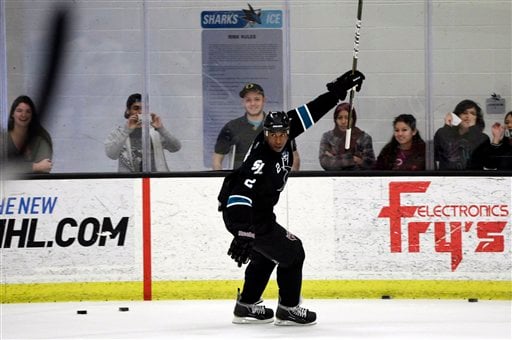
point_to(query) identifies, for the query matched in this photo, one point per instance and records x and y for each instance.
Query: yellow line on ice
(226, 289)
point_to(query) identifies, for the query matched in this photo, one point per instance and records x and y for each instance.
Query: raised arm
(305, 116)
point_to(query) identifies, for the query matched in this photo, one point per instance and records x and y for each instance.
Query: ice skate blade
(246, 320)
(280, 322)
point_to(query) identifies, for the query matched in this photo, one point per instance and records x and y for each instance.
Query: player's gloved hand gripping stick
(350, 80)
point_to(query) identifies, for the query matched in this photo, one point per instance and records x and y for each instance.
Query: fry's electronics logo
(487, 221)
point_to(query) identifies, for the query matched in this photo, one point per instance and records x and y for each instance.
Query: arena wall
(162, 238)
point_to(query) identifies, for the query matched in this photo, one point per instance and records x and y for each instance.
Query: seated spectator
(239, 133)
(125, 142)
(496, 154)
(334, 156)
(406, 150)
(29, 145)
(455, 142)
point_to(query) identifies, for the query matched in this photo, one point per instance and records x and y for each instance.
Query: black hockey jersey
(249, 193)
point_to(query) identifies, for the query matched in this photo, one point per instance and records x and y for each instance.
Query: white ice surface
(337, 319)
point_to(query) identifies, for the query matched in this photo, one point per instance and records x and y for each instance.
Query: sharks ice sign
(245, 18)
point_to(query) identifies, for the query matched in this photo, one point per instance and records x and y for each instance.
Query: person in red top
(406, 150)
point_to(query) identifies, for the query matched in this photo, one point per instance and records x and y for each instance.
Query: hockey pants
(275, 247)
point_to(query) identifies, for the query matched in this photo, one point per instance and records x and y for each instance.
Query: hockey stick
(57, 37)
(354, 68)
(54, 63)
(57, 34)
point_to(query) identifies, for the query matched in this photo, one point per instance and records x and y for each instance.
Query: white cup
(455, 119)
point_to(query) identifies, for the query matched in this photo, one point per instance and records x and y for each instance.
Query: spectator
(29, 145)
(240, 132)
(496, 154)
(125, 142)
(406, 150)
(456, 141)
(334, 156)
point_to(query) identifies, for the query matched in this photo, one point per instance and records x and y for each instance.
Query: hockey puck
(124, 309)
(472, 300)
(385, 297)
(82, 311)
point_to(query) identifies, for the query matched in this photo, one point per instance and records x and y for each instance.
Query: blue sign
(242, 19)
(238, 47)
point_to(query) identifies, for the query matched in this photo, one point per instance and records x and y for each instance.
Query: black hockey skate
(246, 313)
(294, 316)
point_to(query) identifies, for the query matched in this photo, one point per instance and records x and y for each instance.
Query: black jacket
(452, 150)
(493, 157)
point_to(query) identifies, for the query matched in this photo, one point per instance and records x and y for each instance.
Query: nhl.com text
(16, 232)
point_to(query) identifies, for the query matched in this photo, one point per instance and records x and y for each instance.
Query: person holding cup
(461, 135)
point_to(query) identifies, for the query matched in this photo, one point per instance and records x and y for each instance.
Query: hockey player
(247, 199)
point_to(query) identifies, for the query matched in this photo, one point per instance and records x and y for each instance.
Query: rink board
(97, 239)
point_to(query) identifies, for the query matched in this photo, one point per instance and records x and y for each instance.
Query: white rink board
(189, 241)
(337, 220)
(73, 252)
(350, 241)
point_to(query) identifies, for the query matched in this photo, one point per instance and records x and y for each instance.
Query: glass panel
(471, 58)
(419, 57)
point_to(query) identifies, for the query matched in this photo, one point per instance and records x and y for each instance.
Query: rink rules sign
(239, 46)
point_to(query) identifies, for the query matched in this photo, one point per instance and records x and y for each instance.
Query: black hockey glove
(342, 84)
(241, 247)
